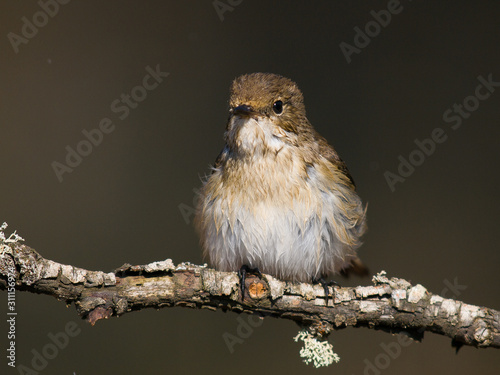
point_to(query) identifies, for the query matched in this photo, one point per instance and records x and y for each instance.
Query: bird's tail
(354, 266)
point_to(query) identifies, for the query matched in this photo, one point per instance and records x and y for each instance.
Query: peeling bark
(393, 305)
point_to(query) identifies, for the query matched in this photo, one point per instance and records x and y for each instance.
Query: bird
(279, 200)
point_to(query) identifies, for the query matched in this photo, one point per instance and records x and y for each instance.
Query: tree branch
(393, 305)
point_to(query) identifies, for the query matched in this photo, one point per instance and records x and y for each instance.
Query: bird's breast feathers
(276, 212)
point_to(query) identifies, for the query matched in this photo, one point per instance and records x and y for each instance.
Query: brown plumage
(279, 198)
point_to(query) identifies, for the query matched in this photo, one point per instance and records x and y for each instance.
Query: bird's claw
(325, 284)
(242, 273)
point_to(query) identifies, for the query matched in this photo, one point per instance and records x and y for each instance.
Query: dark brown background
(122, 203)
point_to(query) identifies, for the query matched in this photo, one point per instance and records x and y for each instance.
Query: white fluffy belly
(293, 239)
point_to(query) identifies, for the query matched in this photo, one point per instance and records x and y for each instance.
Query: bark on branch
(393, 305)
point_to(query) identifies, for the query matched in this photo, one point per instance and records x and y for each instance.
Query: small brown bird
(279, 198)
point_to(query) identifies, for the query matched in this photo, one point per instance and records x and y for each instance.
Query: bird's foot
(325, 284)
(242, 273)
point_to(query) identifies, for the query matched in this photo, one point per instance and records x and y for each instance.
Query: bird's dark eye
(278, 107)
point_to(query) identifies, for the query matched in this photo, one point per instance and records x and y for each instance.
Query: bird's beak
(243, 111)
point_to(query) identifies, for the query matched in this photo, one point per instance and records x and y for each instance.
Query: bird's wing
(329, 153)
(218, 160)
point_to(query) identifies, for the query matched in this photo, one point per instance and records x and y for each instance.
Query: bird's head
(265, 110)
